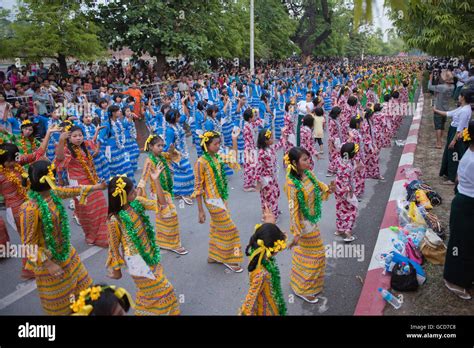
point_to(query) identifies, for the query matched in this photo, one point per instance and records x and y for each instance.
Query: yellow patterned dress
(224, 239)
(259, 299)
(309, 259)
(55, 292)
(166, 220)
(154, 296)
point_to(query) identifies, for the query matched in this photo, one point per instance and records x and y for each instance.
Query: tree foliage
(197, 30)
(51, 29)
(438, 27)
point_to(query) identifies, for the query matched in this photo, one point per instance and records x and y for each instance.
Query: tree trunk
(161, 63)
(62, 64)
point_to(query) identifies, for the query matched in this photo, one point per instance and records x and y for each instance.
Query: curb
(370, 303)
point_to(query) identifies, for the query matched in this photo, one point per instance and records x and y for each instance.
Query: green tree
(438, 27)
(51, 29)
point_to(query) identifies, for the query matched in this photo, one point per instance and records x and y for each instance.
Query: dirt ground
(432, 298)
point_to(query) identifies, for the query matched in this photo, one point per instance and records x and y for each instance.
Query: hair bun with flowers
(268, 134)
(205, 138)
(120, 190)
(148, 140)
(79, 306)
(466, 137)
(49, 178)
(263, 250)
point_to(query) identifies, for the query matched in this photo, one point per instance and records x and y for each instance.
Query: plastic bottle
(399, 246)
(396, 302)
(402, 235)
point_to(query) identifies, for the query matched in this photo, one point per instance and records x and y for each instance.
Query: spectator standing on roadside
(442, 98)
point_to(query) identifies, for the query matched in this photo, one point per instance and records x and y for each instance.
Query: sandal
(187, 200)
(459, 293)
(180, 251)
(328, 175)
(308, 298)
(209, 260)
(339, 233)
(448, 182)
(349, 239)
(234, 268)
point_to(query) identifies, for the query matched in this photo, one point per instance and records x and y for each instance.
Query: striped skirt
(167, 228)
(133, 150)
(93, 218)
(183, 178)
(120, 164)
(56, 293)
(279, 123)
(227, 132)
(101, 165)
(308, 265)
(155, 296)
(224, 239)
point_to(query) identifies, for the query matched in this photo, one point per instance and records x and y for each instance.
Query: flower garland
(166, 180)
(316, 216)
(277, 293)
(88, 167)
(221, 179)
(151, 258)
(24, 146)
(119, 133)
(48, 227)
(11, 176)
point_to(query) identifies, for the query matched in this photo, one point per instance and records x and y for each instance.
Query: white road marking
(24, 289)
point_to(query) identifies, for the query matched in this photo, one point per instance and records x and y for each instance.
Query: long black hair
(269, 234)
(36, 171)
(294, 155)
(171, 116)
(347, 149)
(11, 153)
(335, 112)
(114, 202)
(70, 146)
(262, 139)
(352, 100)
(355, 122)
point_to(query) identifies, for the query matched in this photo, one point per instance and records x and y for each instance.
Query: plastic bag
(415, 216)
(403, 217)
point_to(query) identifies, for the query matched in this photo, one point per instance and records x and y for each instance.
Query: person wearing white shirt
(454, 149)
(459, 264)
(304, 107)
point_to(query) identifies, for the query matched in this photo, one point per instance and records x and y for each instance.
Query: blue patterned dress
(114, 138)
(183, 171)
(131, 144)
(100, 162)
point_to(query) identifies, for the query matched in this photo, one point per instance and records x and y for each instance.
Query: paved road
(209, 289)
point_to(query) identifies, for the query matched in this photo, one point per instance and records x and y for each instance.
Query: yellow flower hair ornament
(466, 136)
(358, 117)
(2, 151)
(263, 250)
(268, 134)
(79, 306)
(26, 123)
(205, 138)
(288, 163)
(120, 191)
(356, 148)
(49, 178)
(147, 142)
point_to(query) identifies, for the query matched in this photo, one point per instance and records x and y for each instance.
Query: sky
(380, 20)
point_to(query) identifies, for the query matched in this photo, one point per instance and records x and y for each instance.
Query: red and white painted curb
(370, 301)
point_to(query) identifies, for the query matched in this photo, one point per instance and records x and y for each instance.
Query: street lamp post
(252, 64)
